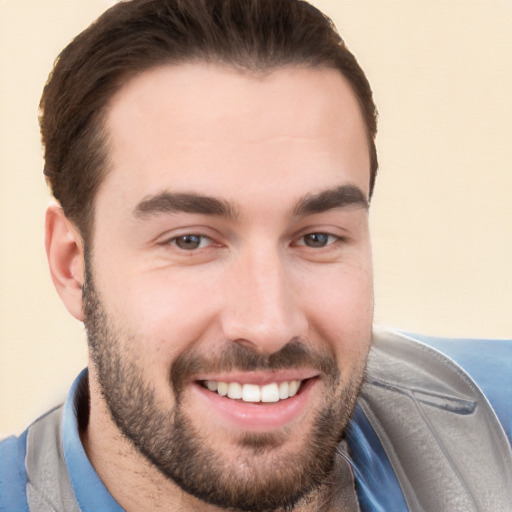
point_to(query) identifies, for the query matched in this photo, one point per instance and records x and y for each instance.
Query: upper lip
(259, 378)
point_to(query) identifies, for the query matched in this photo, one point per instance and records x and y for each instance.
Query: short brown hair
(136, 35)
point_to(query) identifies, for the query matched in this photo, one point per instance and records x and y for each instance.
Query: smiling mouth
(268, 393)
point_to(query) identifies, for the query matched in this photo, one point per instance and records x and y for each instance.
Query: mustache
(295, 354)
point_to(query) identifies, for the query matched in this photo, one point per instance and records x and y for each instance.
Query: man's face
(231, 254)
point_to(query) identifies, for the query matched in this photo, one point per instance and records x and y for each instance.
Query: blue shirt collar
(89, 490)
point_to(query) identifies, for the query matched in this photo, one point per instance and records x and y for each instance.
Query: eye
(317, 240)
(190, 242)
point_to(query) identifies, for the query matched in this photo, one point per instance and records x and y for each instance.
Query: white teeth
(283, 390)
(251, 393)
(293, 387)
(212, 385)
(268, 393)
(234, 390)
(222, 388)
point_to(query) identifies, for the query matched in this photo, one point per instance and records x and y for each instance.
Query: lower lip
(256, 417)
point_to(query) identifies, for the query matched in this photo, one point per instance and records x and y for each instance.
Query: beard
(265, 476)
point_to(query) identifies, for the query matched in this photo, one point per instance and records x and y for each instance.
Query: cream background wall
(442, 214)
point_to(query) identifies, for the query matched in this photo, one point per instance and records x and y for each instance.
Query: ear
(64, 250)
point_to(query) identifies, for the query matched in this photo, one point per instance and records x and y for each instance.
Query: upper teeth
(253, 393)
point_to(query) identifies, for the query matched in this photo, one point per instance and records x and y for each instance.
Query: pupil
(188, 242)
(316, 239)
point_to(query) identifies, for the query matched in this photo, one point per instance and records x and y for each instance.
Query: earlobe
(64, 250)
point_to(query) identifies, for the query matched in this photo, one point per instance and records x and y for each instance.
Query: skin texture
(279, 156)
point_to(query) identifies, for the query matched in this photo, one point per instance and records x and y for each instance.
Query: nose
(261, 309)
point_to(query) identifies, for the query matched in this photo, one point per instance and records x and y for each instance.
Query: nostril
(246, 344)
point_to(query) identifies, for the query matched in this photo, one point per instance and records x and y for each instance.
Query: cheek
(341, 312)
(164, 312)
(344, 294)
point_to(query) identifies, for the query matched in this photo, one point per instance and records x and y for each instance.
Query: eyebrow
(167, 202)
(340, 197)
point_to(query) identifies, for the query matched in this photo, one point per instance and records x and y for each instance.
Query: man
(213, 164)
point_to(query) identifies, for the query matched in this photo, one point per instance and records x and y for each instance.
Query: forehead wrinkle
(168, 202)
(343, 196)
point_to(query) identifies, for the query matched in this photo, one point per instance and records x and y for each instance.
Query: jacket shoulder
(13, 477)
(14, 455)
(488, 362)
(439, 431)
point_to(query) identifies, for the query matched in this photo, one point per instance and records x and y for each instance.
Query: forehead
(212, 129)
